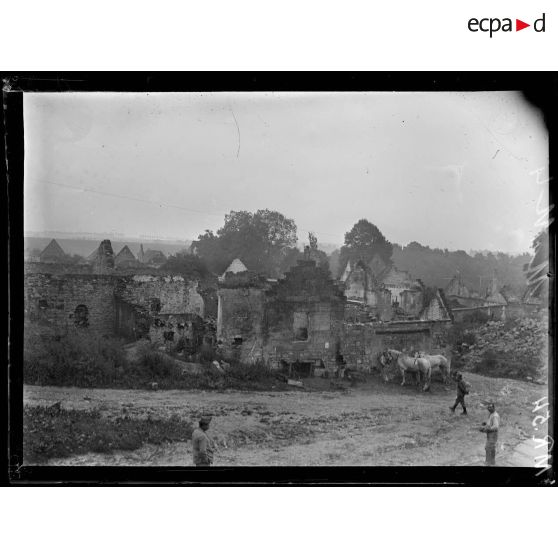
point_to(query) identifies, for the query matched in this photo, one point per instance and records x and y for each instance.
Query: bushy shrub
(207, 354)
(459, 334)
(78, 358)
(476, 318)
(501, 364)
(83, 360)
(49, 433)
(155, 364)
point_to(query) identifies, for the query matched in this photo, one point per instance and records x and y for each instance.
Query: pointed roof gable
(456, 287)
(437, 309)
(125, 257)
(236, 266)
(52, 253)
(346, 272)
(154, 257)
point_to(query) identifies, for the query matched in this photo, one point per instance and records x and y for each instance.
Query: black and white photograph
(222, 279)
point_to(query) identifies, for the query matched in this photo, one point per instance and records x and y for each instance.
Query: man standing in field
(491, 428)
(462, 391)
(202, 445)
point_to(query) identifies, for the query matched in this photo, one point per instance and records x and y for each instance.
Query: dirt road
(372, 425)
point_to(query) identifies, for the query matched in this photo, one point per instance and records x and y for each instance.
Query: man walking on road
(202, 445)
(462, 391)
(491, 428)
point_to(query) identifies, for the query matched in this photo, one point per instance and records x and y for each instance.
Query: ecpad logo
(493, 25)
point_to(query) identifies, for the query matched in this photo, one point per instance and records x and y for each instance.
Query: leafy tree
(210, 249)
(187, 265)
(262, 240)
(362, 242)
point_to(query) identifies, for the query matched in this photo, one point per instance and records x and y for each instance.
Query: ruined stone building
(113, 296)
(497, 303)
(382, 291)
(296, 319)
(306, 319)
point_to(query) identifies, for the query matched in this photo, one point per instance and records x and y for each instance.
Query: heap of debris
(516, 348)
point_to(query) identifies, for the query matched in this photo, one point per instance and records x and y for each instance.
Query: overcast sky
(448, 170)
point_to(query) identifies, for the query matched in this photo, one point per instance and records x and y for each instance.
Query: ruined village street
(371, 425)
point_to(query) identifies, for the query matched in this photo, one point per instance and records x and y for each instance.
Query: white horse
(437, 362)
(419, 365)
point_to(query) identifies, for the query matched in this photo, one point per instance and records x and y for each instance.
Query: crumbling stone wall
(161, 294)
(240, 322)
(323, 322)
(108, 303)
(298, 318)
(67, 301)
(173, 329)
(412, 302)
(362, 343)
(493, 312)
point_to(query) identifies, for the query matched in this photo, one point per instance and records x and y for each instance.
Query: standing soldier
(462, 391)
(491, 428)
(202, 445)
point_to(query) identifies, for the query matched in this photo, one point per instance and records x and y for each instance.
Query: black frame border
(539, 88)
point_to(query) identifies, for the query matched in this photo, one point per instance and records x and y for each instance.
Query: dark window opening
(300, 326)
(43, 304)
(237, 341)
(155, 305)
(303, 368)
(168, 335)
(81, 316)
(301, 334)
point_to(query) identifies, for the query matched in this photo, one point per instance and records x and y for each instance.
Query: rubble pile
(515, 348)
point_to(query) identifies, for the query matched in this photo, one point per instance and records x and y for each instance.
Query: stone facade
(387, 292)
(109, 301)
(362, 343)
(306, 321)
(53, 299)
(497, 304)
(298, 319)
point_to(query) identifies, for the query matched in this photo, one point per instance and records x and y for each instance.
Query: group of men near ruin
(203, 446)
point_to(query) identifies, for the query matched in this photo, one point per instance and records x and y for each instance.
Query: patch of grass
(83, 360)
(252, 376)
(76, 359)
(50, 433)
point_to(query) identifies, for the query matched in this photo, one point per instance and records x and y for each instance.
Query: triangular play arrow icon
(519, 25)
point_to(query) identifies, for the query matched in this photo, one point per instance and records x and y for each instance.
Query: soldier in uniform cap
(491, 428)
(202, 445)
(462, 391)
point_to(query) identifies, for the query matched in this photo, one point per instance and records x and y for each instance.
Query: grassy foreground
(53, 432)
